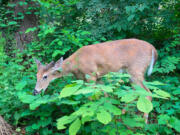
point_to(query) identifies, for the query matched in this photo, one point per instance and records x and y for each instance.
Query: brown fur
(99, 59)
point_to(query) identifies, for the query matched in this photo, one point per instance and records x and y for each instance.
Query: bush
(71, 106)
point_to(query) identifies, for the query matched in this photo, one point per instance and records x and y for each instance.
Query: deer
(96, 60)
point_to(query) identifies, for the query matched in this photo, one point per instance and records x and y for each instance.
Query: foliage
(170, 56)
(72, 106)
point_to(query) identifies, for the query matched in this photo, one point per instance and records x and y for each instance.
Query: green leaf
(104, 117)
(128, 98)
(30, 30)
(64, 120)
(85, 33)
(130, 17)
(142, 7)
(26, 98)
(154, 83)
(74, 127)
(21, 85)
(58, 52)
(128, 9)
(42, 100)
(60, 43)
(105, 88)
(21, 3)
(84, 91)
(11, 5)
(85, 119)
(112, 108)
(175, 123)
(131, 122)
(69, 90)
(3, 25)
(34, 105)
(162, 93)
(163, 119)
(144, 105)
(12, 23)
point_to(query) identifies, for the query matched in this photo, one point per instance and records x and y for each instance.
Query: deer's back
(112, 56)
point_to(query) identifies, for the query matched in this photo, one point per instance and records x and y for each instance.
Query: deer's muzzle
(35, 92)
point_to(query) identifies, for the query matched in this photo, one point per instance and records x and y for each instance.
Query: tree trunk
(5, 128)
(29, 21)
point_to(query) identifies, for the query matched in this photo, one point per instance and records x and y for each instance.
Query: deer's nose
(35, 92)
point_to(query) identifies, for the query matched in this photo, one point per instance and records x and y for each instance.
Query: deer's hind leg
(137, 77)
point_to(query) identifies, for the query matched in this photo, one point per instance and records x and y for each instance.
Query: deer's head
(46, 73)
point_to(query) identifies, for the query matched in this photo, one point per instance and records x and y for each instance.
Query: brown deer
(97, 60)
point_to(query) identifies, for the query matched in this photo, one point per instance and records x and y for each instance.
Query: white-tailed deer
(97, 60)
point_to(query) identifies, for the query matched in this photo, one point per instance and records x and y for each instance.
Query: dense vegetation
(49, 29)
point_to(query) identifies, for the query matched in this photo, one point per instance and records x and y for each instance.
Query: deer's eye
(45, 77)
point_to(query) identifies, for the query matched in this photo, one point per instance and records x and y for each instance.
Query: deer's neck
(66, 67)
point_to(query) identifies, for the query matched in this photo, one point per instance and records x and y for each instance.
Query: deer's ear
(37, 62)
(58, 64)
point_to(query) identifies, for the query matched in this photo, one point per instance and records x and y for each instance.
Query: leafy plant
(71, 106)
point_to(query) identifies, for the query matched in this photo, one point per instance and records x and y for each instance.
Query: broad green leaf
(106, 88)
(34, 105)
(144, 105)
(84, 91)
(60, 43)
(131, 122)
(85, 119)
(3, 25)
(21, 3)
(175, 123)
(82, 110)
(176, 92)
(112, 108)
(21, 85)
(69, 90)
(74, 127)
(128, 9)
(42, 100)
(163, 119)
(85, 33)
(154, 83)
(104, 117)
(130, 18)
(86, 111)
(120, 93)
(64, 120)
(116, 111)
(11, 5)
(12, 23)
(162, 93)
(128, 98)
(45, 122)
(26, 98)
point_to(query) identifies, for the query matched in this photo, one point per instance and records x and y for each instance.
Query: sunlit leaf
(12, 23)
(144, 105)
(129, 98)
(162, 93)
(104, 117)
(74, 127)
(69, 90)
(64, 120)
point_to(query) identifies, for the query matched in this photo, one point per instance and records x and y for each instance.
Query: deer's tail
(153, 61)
